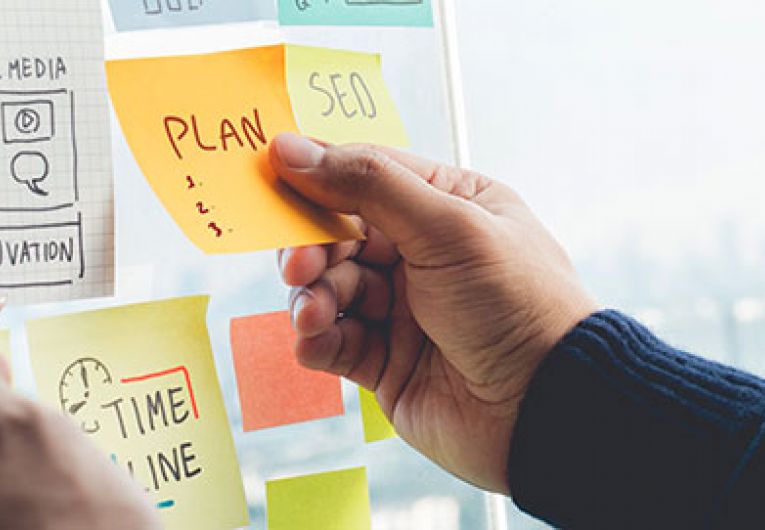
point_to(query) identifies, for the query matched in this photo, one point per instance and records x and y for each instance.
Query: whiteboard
(155, 261)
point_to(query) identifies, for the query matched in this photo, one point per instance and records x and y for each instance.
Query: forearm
(619, 430)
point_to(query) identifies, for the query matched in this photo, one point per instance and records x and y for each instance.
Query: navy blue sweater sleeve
(619, 430)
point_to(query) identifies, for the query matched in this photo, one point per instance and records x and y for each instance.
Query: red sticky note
(274, 389)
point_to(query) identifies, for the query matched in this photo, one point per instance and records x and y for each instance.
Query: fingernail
(298, 152)
(298, 303)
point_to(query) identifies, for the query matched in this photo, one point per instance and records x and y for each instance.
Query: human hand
(51, 477)
(448, 307)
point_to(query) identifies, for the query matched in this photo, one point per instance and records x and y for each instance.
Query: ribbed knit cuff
(619, 430)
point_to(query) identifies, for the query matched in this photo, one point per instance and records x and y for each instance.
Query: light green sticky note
(338, 500)
(376, 424)
(356, 13)
(341, 97)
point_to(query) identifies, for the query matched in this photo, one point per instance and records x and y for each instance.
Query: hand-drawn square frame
(75, 182)
(50, 226)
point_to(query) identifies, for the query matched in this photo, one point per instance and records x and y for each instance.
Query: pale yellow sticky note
(327, 501)
(5, 349)
(376, 424)
(140, 381)
(341, 97)
(199, 127)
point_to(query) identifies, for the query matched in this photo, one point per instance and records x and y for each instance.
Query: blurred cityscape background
(637, 132)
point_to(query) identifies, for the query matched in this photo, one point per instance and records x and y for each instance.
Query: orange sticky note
(274, 389)
(199, 127)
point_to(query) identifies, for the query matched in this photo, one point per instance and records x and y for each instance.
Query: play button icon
(27, 121)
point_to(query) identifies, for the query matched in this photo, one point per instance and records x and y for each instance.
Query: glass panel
(636, 132)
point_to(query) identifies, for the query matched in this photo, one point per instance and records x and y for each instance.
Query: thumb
(365, 181)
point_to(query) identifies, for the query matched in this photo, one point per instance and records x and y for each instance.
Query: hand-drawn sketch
(157, 7)
(41, 254)
(81, 392)
(38, 151)
(141, 382)
(414, 13)
(302, 5)
(30, 168)
(132, 15)
(27, 121)
(56, 177)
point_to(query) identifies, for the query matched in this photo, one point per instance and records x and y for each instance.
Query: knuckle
(372, 163)
(356, 170)
(463, 183)
(443, 177)
(477, 182)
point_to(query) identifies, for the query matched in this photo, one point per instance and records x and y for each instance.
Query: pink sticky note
(274, 389)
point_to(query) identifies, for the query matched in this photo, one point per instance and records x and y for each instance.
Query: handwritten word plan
(56, 189)
(199, 127)
(338, 500)
(5, 349)
(375, 423)
(274, 389)
(141, 382)
(341, 96)
(356, 12)
(131, 15)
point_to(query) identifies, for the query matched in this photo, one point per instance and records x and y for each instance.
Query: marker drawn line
(33, 92)
(40, 209)
(165, 504)
(36, 284)
(164, 373)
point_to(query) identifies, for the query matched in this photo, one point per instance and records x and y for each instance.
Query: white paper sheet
(56, 185)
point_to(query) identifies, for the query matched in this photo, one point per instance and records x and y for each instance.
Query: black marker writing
(350, 94)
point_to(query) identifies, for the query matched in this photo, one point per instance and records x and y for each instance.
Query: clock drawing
(83, 385)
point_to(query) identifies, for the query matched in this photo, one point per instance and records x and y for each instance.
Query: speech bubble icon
(30, 168)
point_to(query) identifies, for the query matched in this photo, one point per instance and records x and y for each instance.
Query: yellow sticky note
(199, 127)
(341, 97)
(376, 424)
(140, 381)
(327, 501)
(5, 349)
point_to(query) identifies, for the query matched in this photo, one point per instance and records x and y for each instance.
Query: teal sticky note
(356, 13)
(130, 15)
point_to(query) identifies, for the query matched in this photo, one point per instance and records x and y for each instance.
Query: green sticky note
(338, 500)
(356, 13)
(376, 424)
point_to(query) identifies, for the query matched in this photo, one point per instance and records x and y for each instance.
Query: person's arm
(53, 478)
(620, 430)
(448, 310)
